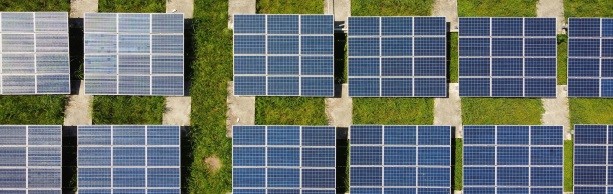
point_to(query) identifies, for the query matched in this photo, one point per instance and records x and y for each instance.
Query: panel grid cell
(128, 159)
(134, 54)
(397, 56)
(512, 159)
(34, 56)
(507, 57)
(31, 158)
(400, 159)
(284, 55)
(284, 159)
(590, 57)
(592, 163)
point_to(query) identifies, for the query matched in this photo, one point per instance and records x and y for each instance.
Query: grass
(132, 6)
(393, 111)
(29, 110)
(457, 167)
(453, 57)
(568, 166)
(35, 5)
(290, 6)
(497, 8)
(128, 109)
(290, 111)
(562, 60)
(211, 72)
(391, 8)
(590, 111)
(591, 8)
(501, 111)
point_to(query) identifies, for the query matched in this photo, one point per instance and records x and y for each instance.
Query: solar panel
(507, 57)
(284, 159)
(400, 159)
(31, 159)
(128, 159)
(513, 159)
(284, 55)
(397, 56)
(34, 53)
(590, 57)
(134, 54)
(591, 159)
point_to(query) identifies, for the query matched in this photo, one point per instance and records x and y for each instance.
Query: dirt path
(552, 9)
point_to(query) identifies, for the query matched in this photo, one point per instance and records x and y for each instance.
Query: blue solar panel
(284, 159)
(513, 159)
(131, 159)
(133, 54)
(284, 55)
(590, 48)
(400, 159)
(507, 57)
(397, 57)
(30, 158)
(592, 159)
(34, 55)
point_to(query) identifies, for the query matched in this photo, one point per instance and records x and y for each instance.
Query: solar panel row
(284, 159)
(30, 159)
(590, 57)
(134, 54)
(400, 159)
(34, 53)
(128, 159)
(592, 159)
(513, 159)
(507, 57)
(397, 56)
(284, 55)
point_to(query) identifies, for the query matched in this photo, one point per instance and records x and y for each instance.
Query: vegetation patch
(393, 111)
(128, 109)
(290, 6)
(498, 8)
(562, 58)
(590, 111)
(453, 57)
(290, 111)
(35, 5)
(391, 8)
(568, 165)
(32, 110)
(132, 6)
(502, 111)
(591, 8)
(457, 166)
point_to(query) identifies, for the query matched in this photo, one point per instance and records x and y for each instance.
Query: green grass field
(457, 166)
(590, 8)
(35, 5)
(453, 60)
(497, 8)
(128, 109)
(391, 8)
(562, 53)
(290, 111)
(132, 6)
(501, 111)
(393, 111)
(568, 166)
(290, 6)
(590, 111)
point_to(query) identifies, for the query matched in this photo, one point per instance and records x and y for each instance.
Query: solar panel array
(513, 159)
(30, 159)
(133, 54)
(34, 53)
(284, 159)
(400, 159)
(590, 57)
(128, 159)
(592, 164)
(507, 57)
(284, 55)
(397, 56)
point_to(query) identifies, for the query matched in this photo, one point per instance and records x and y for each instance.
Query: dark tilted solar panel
(592, 159)
(590, 57)
(400, 159)
(134, 54)
(397, 57)
(503, 159)
(284, 55)
(507, 57)
(128, 159)
(284, 159)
